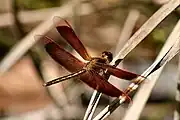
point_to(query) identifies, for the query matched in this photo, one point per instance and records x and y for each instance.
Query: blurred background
(99, 24)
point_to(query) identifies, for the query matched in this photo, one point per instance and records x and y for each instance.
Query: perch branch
(143, 93)
(170, 49)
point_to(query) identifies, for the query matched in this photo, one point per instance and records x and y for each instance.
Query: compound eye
(104, 55)
(107, 55)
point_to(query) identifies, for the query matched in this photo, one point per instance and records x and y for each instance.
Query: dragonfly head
(107, 55)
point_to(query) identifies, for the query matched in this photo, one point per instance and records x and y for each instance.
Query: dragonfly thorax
(91, 65)
(106, 58)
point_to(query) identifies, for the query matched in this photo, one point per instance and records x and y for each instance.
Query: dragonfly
(90, 72)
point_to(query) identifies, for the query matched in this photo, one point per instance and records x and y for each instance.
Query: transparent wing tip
(44, 39)
(58, 21)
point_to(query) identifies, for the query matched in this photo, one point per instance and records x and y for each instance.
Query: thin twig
(143, 93)
(147, 27)
(127, 30)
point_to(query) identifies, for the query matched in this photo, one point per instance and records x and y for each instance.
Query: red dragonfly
(87, 72)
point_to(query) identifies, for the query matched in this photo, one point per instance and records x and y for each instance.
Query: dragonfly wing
(97, 82)
(61, 56)
(66, 31)
(118, 72)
